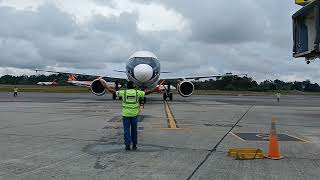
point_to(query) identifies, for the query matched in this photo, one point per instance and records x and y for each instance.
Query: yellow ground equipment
(246, 153)
(303, 2)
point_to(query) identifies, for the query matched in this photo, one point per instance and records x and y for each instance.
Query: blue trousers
(133, 135)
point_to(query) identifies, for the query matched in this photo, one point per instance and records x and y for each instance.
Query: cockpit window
(154, 63)
(133, 62)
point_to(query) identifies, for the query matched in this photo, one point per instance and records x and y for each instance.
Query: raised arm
(107, 87)
(151, 90)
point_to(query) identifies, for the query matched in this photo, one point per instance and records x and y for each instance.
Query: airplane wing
(165, 72)
(81, 83)
(68, 73)
(204, 77)
(119, 71)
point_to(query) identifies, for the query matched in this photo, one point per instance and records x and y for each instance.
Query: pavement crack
(215, 147)
(235, 124)
(202, 162)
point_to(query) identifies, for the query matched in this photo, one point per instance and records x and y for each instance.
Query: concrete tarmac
(80, 136)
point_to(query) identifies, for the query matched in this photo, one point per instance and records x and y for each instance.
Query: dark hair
(130, 85)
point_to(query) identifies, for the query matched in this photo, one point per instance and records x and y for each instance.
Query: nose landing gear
(167, 93)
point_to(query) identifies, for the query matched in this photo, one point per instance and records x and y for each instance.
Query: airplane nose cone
(143, 72)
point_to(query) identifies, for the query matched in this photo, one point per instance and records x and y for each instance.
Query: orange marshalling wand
(273, 142)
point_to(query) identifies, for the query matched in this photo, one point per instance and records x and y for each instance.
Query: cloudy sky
(189, 37)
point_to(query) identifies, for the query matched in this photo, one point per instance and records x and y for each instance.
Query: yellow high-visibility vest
(130, 101)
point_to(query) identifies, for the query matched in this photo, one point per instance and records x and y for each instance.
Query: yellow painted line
(171, 121)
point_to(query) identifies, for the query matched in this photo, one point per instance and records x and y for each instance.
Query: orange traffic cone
(273, 142)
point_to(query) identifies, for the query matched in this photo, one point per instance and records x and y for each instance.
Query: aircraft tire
(114, 97)
(170, 96)
(164, 96)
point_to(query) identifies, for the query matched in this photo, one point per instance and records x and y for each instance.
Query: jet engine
(97, 88)
(185, 88)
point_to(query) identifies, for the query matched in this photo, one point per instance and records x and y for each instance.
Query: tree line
(248, 84)
(234, 83)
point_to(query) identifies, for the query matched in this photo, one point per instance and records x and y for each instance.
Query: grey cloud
(18, 53)
(50, 37)
(221, 21)
(251, 37)
(226, 23)
(25, 24)
(235, 22)
(122, 24)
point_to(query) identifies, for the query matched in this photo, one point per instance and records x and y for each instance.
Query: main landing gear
(167, 93)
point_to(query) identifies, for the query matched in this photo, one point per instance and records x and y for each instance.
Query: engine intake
(97, 88)
(185, 88)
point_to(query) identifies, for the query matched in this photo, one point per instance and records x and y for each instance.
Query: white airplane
(53, 83)
(143, 68)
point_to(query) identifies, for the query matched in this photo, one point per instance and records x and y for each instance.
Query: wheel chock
(246, 153)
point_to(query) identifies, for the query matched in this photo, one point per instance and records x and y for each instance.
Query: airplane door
(306, 31)
(302, 45)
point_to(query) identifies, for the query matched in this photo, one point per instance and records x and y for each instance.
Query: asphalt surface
(79, 136)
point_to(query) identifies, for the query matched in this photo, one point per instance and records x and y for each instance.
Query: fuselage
(143, 68)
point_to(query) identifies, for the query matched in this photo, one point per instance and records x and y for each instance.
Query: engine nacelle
(97, 88)
(185, 88)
